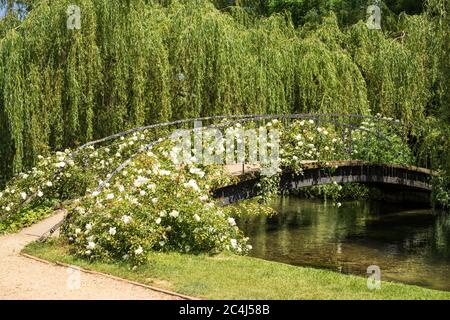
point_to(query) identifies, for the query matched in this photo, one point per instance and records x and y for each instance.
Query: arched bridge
(414, 180)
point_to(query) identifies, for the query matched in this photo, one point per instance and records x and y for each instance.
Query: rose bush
(155, 205)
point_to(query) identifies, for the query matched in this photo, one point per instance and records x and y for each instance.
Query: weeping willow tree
(135, 71)
(328, 81)
(138, 62)
(436, 140)
(396, 76)
(439, 15)
(61, 87)
(226, 64)
(47, 84)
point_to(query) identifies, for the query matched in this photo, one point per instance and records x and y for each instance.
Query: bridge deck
(241, 170)
(319, 173)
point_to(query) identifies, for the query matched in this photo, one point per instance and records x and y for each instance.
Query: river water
(409, 246)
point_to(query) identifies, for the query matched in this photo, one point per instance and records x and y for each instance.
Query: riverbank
(410, 245)
(229, 276)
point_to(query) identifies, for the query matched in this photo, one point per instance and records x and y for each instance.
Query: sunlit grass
(228, 276)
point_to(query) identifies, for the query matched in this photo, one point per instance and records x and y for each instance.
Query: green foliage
(432, 145)
(309, 11)
(438, 11)
(26, 217)
(141, 62)
(154, 206)
(372, 140)
(441, 190)
(250, 208)
(124, 230)
(335, 192)
(307, 141)
(395, 73)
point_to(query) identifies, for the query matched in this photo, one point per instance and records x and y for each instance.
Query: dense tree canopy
(139, 62)
(348, 12)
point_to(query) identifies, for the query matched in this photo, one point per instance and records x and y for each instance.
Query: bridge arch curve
(350, 122)
(414, 179)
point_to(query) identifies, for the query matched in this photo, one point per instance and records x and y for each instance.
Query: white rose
(140, 181)
(110, 196)
(174, 214)
(112, 231)
(60, 165)
(163, 213)
(91, 245)
(126, 219)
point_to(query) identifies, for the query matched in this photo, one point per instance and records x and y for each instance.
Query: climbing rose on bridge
(154, 204)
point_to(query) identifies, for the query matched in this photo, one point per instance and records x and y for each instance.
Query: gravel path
(23, 278)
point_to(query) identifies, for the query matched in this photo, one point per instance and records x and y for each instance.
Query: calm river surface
(410, 246)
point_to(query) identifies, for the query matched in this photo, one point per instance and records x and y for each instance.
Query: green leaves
(145, 62)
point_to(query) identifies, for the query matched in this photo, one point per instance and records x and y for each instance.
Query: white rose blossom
(193, 185)
(126, 219)
(90, 246)
(174, 214)
(140, 181)
(138, 251)
(112, 231)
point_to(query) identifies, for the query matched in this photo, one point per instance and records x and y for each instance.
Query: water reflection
(411, 246)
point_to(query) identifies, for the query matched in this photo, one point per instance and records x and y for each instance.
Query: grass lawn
(228, 276)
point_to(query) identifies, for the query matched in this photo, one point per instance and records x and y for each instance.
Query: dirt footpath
(24, 278)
